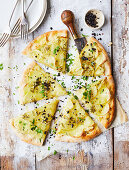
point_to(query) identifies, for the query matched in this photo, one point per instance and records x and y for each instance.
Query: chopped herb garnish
(63, 84)
(55, 152)
(94, 43)
(69, 61)
(54, 131)
(13, 93)
(56, 49)
(39, 130)
(18, 102)
(73, 77)
(33, 121)
(17, 87)
(89, 95)
(69, 92)
(84, 35)
(85, 94)
(102, 91)
(1, 67)
(73, 157)
(48, 148)
(20, 121)
(75, 97)
(81, 119)
(85, 77)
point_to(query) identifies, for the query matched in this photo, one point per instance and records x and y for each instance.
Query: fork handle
(22, 3)
(13, 12)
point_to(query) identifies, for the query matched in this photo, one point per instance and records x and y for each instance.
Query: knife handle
(67, 18)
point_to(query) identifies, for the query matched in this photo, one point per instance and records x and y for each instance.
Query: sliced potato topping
(33, 126)
(49, 49)
(91, 60)
(96, 97)
(37, 85)
(75, 121)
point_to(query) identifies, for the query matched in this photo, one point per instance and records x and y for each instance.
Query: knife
(67, 18)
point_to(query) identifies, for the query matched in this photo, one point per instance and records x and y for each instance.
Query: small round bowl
(99, 18)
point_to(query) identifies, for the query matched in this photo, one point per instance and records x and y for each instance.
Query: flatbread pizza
(32, 127)
(99, 99)
(93, 61)
(49, 49)
(75, 124)
(37, 84)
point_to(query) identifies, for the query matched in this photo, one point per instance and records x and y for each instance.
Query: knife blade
(67, 18)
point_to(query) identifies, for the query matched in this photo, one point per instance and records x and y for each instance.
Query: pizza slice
(75, 124)
(36, 84)
(32, 127)
(49, 49)
(93, 60)
(99, 99)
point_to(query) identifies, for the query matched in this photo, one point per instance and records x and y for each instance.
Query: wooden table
(111, 149)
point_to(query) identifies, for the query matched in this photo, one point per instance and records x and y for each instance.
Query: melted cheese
(50, 49)
(75, 121)
(36, 123)
(39, 85)
(100, 95)
(90, 61)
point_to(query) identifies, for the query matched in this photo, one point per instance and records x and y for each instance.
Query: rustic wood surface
(111, 149)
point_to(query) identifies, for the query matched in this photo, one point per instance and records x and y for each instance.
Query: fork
(16, 27)
(24, 24)
(5, 36)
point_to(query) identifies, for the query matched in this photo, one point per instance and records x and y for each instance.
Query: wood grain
(99, 155)
(121, 64)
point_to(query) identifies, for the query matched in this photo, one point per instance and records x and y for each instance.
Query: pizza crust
(23, 81)
(32, 45)
(111, 86)
(107, 64)
(83, 138)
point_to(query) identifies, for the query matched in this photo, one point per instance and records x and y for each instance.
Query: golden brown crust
(111, 85)
(64, 138)
(25, 138)
(45, 35)
(107, 64)
(23, 82)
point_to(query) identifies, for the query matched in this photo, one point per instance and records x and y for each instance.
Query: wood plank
(98, 157)
(14, 153)
(99, 153)
(121, 71)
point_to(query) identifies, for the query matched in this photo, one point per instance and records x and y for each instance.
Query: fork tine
(15, 26)
(7, 37)
(21, 31)
(26, 32)
(1, 39)
(4, 40)
(17, 29)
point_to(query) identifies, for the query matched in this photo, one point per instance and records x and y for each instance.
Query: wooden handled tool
(67, 18)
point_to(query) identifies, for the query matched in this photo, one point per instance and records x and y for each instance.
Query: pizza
(32, 127)
(49, 49)
(37, 84)
(99, 99)
(93, 61)
(75, 124)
